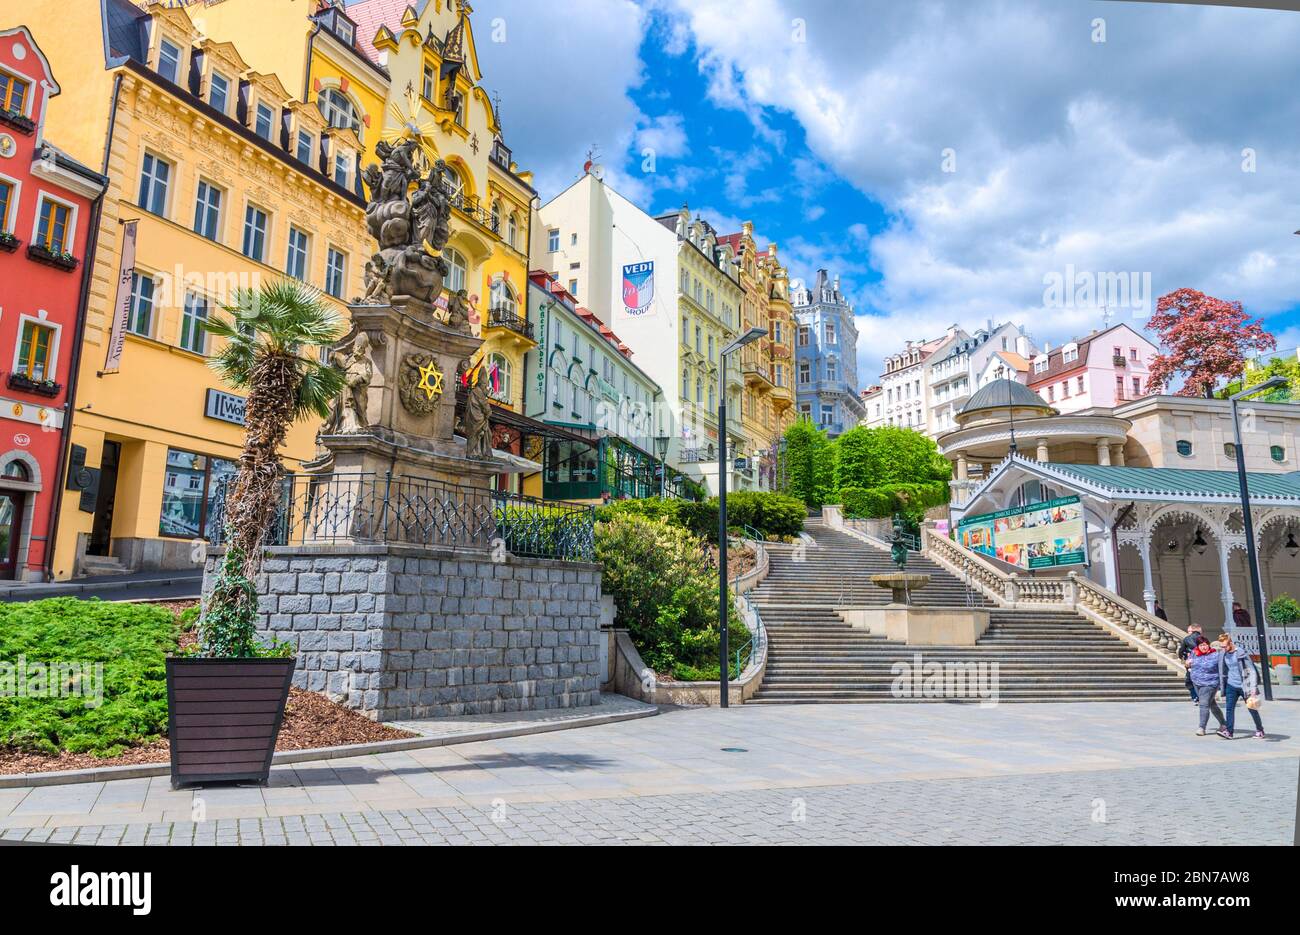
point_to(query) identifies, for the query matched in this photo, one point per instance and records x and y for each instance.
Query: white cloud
(564, 82)
(1113, 157)
(664, 136)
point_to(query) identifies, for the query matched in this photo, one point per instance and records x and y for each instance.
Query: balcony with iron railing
(506, 317)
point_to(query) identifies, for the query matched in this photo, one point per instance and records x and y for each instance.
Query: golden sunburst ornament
(430, 381)
(409, 124)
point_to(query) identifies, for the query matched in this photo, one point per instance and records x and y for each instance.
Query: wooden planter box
(223, 716)
(9, 244)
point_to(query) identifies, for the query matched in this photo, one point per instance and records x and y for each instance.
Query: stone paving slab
(1046, 762)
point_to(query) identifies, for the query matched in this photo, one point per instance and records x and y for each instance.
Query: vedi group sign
(1037, 535)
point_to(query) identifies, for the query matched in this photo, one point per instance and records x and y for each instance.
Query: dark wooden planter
(9, 244)
(17, 381)
(57, 260)
(223, 716)
(17, 121)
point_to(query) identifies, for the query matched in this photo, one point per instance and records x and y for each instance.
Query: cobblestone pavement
(881, 774)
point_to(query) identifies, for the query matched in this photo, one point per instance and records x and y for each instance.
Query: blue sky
(945, 157)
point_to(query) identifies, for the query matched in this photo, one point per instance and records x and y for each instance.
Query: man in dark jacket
(1160, 612)
(1240, 616)
(1185, 648)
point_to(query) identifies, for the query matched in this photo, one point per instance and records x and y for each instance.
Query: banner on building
(122, 310)
(1037, 535)
(638, 287)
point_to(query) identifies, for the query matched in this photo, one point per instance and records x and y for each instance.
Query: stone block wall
(404, 631)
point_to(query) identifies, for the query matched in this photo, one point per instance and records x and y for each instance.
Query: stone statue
(475, 423)
(410, 226)
(458, 312)
(349, 415)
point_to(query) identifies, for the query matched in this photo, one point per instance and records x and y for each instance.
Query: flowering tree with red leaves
(1207, 340)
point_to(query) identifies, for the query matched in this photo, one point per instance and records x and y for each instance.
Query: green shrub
(131, 640)
(662, 588)
(664, 508)
(875, 502)
(1283, 611)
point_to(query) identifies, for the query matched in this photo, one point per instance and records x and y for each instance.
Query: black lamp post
(753, 334)
(661, 449)
(1256, 592)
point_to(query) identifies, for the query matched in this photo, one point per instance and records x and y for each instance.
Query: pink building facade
(1103, 370)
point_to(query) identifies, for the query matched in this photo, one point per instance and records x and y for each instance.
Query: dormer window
(169, 60)
(13, 94)
(429, 83)
(306, 148)
(264, 123)
(1040, 364)
(219, 91)
(1069, 353)
(343, 168)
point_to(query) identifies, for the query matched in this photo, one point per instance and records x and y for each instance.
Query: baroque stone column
(1103, 451)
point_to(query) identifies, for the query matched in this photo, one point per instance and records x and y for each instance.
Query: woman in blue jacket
(1237, 679)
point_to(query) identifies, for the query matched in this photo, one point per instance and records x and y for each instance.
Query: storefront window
(189, 486)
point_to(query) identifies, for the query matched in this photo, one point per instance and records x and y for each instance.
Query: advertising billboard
(1037, 535)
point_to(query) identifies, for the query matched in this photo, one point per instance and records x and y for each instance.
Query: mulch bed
(310, 721)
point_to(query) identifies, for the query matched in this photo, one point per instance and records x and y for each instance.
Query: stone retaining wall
(405, 631)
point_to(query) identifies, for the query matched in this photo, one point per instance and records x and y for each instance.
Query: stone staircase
(1042, 655)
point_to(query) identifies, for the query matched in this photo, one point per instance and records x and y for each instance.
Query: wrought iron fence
(371, 507)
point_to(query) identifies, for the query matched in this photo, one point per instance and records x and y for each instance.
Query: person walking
(1185, 648)
(1240, 615)
(1203, 666)
(1238, 679)
(1160, 612)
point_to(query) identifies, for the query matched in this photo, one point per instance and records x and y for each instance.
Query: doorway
(101, 532)
(11, 528)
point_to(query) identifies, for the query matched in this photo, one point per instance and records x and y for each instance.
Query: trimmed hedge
(772, 514)
(873, 502)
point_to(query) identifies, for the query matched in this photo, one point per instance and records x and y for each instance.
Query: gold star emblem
(430, 381)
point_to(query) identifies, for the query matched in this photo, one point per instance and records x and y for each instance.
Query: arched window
(455, 186)
(459, 272)
(503, 300)
(16, 470)
(338, 110)
(502, 363)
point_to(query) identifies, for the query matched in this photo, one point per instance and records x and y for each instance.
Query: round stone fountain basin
(900, 583)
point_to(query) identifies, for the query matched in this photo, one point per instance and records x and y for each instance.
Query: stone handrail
(1160, 634)
(1075, 592)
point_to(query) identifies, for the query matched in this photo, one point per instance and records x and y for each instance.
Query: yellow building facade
(227, 179)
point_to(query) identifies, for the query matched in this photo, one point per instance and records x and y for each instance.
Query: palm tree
(272, 334)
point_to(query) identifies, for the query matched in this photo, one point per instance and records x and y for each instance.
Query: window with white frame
(169, 60)
(143, 294)
(552, 240)
(207, 210)
(803, 335)
(296, 261)
(343, 168)
(1069, 353)
(458, 269)
(503, 302)
(54, 222)
(336, 269)
(306, 150)
(264, 125)
(37, 348)
(155, 178)
(504, 377)
(193, 315)
(219, 91)
(338, 110)
(256, 224)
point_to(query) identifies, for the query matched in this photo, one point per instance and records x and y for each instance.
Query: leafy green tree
(271, 339)
(1288, 367)
(886, 456)
(809, 463)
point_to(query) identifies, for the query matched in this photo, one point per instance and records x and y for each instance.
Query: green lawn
(131, 640)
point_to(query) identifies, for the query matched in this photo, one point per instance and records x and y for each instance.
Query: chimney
(1022, 345)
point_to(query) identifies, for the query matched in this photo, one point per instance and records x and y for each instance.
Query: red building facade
(48, 207)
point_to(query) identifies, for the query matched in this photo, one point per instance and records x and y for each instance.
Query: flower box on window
(8, 242)
(20, 381)
(65, 261)
(19, 122)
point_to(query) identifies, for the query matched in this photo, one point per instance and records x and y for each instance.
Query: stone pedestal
(920, 626)
(399, 631)
(411, 399)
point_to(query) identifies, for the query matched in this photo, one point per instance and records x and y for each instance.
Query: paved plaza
(1089, 773)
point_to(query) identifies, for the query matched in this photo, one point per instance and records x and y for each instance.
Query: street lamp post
(661, 449)
(753, 334)
(1256, 592)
